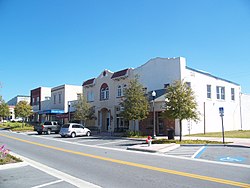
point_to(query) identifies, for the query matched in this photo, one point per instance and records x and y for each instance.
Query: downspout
(240, 112)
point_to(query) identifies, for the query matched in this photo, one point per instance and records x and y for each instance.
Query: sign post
(221, 110)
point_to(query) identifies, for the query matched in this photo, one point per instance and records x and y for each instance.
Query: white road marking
(196, 153)
(46, 184)
(86, 141)
(111, 142)
(58, 174)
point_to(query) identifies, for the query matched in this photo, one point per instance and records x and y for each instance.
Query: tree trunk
(134, 125)
(180, 129)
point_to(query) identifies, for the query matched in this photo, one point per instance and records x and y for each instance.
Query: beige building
(106, 91)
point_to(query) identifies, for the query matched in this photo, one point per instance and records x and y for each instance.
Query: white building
(14, 101)
(61, 99)
(106, 91)
(245, 111)
(53, 103)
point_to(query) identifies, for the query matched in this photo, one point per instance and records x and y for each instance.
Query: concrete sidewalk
(163, 148)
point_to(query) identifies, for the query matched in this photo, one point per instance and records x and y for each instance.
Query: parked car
(48, 127)
(17, 120)
(73, 130)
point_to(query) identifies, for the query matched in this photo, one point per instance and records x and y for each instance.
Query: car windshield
(65, 126)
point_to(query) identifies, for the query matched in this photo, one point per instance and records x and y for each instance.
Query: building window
(232, 94)
(209, 91)
(54, 99)
(90, 96)
(33, 101)
(60, 97)
(37, 100)
(104, 92)
(119, 91)
(220, 92)
(124, 89)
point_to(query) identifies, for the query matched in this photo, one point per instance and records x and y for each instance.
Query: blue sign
(52, 111)
(221, 110)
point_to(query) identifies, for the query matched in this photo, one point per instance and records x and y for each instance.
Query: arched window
(119, 91)
(123, 89)
(104, 92)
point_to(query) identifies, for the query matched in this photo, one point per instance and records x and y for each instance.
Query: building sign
(52, 111)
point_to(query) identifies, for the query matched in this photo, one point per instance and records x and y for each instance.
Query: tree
(180, 103)
(4, 109)
(83, 110)
(23, 110)
(135, 104)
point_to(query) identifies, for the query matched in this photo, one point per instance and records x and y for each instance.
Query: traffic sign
(221, 110)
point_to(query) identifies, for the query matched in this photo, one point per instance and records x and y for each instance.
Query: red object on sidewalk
(149, 139)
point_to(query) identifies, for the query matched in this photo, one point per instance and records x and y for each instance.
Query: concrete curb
(163, 148)
(214, 145)
(140, 149)
(13, 165)
(154, 148)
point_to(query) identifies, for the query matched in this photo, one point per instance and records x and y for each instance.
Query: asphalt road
(116, 167)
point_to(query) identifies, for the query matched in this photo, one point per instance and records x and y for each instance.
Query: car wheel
(39, 132)
(88, 133)
(73, 135)
(48, 131)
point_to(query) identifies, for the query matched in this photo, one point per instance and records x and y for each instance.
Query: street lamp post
(69, 110)
(153, 95)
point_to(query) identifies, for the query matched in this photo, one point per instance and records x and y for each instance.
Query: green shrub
(133, 134)
(17, 126)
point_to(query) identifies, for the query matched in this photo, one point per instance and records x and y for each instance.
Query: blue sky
(53, 42)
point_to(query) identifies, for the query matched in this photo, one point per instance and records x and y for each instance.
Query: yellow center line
(196, 176)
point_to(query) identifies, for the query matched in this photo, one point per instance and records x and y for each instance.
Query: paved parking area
(229, 154)
(95, 140)
(237, 155)
(27, 176)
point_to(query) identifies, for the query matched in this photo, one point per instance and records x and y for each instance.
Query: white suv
(73, 130)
